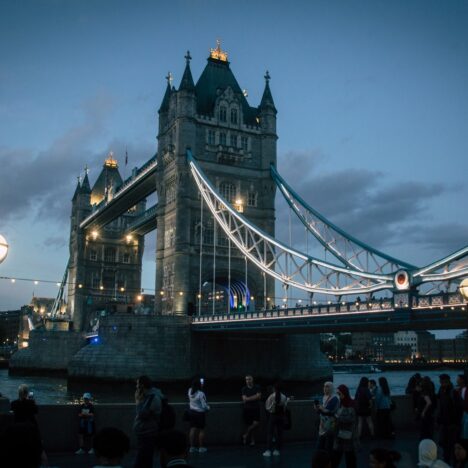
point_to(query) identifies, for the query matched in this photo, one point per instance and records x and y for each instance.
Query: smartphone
(31, 395)
(202, 381)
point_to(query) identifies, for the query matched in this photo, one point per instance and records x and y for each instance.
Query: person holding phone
(86, 429)
(198, 407)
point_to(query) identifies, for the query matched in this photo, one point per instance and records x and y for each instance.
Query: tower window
(109, 254)
(228, 191)
(126, 258)
(252, 199)
(245, 143)
(233, 140)
(234, 116)
(222, 113)
(211, 137)
(222, 139)
(95, 282)
(93, 255)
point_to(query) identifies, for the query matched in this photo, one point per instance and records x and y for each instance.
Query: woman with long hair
(275, 406)
(198, 408)
(426, 408)
(363, 399)
(383, 403)
(345, 433)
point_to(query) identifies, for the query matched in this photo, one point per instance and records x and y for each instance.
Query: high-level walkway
(294, 455)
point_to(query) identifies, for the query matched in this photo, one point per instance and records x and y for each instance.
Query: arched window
(228, 191)
(222, 113)
(234, 116)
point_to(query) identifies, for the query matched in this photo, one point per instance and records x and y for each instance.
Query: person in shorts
(86, 430)
(251, 396)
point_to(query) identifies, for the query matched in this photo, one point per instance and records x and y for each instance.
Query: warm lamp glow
(94, 235)
(3, 248)
(217, 53)
(139, 298)
(464, 289)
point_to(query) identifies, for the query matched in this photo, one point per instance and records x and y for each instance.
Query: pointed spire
(78, 188)
(267, 98)
(187, 83)
(165, 102)
(85, 186)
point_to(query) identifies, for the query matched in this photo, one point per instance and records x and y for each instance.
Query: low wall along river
(59, 423)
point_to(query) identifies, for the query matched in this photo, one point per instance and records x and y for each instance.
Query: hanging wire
(201, 258)
(214, 263)
(229, 270)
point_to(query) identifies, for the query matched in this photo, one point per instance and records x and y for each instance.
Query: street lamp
(463, 287)
(3, 248)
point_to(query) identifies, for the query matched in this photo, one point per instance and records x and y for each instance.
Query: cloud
(41, 184)
(370, 207)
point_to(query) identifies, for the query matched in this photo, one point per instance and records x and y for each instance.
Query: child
(86, 431)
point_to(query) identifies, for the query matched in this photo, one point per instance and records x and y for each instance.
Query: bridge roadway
(137, 187)
(435, 312)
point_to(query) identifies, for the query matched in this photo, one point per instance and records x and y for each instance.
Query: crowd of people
(343, 421)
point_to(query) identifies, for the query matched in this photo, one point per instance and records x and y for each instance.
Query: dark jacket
(450, 407)
(148, 413)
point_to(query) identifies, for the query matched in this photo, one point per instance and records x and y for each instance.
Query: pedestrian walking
(251, 396)
(346, 432)
(426, 408)
(275, 406)
(448, 416)
(198, 408)
(327, 411)
(148, 401)
(363, 402)
(86, 426)
(383, 404)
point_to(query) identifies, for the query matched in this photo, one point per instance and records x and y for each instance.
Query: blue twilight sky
(372, 102)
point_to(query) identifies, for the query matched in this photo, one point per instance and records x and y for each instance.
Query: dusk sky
(372, 102)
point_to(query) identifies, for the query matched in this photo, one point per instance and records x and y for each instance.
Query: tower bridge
(216, 179)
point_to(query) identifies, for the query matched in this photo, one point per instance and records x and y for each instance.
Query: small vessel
(355, 369)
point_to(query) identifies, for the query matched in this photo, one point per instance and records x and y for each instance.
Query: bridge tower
(235, 144)
(105, 265)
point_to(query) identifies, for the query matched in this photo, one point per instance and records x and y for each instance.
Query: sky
(371, 96)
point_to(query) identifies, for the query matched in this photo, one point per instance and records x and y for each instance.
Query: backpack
(167, 418)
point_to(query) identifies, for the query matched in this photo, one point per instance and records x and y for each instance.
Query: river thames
(54, 390)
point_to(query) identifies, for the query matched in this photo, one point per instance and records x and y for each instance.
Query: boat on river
(355, 369)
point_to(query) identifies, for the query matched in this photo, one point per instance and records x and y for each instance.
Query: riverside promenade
(294, 455)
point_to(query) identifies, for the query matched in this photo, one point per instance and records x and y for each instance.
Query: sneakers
(267, 453)
(80, 451)
(91, 452)
(193, 450)
(202, 450)
(276, 453)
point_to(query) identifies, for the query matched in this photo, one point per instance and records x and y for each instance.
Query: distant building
(407, 338)
(9, 328)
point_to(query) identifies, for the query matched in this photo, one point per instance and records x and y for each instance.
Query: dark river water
(54, 390)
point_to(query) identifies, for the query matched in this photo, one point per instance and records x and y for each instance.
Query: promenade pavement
(293, 455)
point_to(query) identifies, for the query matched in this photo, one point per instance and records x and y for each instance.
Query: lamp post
(3, 248)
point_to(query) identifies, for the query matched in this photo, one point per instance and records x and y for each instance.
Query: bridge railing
(447, 300)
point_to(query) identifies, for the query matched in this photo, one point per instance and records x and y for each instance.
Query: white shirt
(198, 401)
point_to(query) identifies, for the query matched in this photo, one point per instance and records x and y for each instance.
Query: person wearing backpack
(148, 401)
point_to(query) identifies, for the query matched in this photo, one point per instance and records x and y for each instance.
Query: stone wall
(47, 350)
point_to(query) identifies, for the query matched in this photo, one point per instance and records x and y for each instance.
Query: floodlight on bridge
(463, 288)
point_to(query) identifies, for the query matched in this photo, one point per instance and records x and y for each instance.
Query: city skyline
(371, 101)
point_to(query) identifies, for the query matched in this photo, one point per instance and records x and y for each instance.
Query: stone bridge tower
(235, 144)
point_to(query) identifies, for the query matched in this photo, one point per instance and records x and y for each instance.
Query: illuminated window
(228, 191)
(93, 255)
(211, 137)
(245, 143)
(222, 139)
(222, 113)
(252, 199)
(234, 116)
(233, 140)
